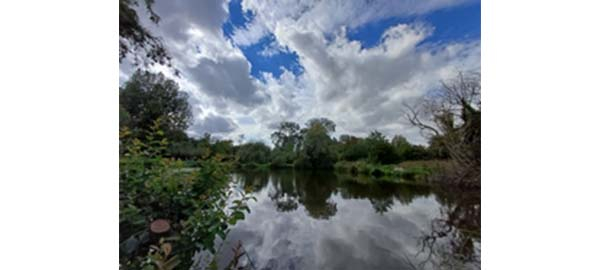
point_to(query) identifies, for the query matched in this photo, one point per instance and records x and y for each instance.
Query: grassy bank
(410, 171)
(413, 171)
(253, 166)
(262, 166)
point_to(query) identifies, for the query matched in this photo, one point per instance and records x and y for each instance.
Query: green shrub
(254, 152)
(377, 171)
(193, 201)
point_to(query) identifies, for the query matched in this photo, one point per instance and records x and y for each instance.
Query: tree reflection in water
(284, 194)
(311, 189)
(454, 239)
(451, 241)
(314, 191)
(300, 187)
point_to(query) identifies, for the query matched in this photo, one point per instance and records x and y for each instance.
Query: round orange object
(160, 226)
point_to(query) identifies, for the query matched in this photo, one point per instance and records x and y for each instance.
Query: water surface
(320, 220)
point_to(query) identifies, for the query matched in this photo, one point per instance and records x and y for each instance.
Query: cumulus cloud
(328, 16)
(273, 48)
(250, 34)
(227, 78)
(179, 16)
(361, 89)
(213, 71)
(212, 124)
(364, 89)
(192, 32)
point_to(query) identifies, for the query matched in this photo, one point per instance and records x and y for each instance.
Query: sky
(250, 64)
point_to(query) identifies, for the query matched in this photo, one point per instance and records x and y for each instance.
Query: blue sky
(250, 64)
(260, 63)
(453, 24)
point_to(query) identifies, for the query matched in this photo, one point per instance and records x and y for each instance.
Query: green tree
(282, 158)
(184, 150)
(352, 148)
(402, 147)
(147, 97)
(137, 41)
(407, 151)
(123, 117)
(204, 143)
(418, 152)
(437, 149)
(380, 150)
(324, 123)
(287, 136)
(254, 152)
(287, 140)
(317, 146)
(223, 148)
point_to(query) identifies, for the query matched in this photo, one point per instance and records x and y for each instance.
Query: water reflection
(319, 220)
(454, 238)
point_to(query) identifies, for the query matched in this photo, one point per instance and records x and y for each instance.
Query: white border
(58, 142)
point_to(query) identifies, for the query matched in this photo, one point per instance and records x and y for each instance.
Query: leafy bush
(317, 150)
(193, 201)
(282, 158)
(383, 153)
(146, 97)
(353, 149)
(254, 152)
(412, 173)
(380, 149)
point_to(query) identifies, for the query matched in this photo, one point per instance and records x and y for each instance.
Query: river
(320, 220)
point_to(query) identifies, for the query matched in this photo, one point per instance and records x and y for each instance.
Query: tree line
(147, 96)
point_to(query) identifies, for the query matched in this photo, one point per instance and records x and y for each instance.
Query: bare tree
(452, 115)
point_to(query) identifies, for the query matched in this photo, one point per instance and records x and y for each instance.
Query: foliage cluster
(378, 171)
(253, 152)
(136, 40)
(148, 96)
(314, 147)
(194, 202)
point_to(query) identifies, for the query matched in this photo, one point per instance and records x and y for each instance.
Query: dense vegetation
(157, 186)
(193, 202)
(453, 131)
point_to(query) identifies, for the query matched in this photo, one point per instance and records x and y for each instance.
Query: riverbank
(422, 172)
(410, 171)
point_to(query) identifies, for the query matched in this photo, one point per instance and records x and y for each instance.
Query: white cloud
(250, 34)
(273, 48)
(227, 78)
(364, 89)
(360, 89)
(213, 124)
(328, 16)
(213, 70)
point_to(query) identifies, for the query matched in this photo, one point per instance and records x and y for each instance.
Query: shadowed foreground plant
(194, 202)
